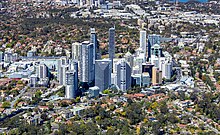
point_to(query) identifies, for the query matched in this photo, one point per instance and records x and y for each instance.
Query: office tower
(114, 79)
(7, 57)
(138, 61)
(156, 50)
(147, 67)
(136, 70)
(123, 75)
(154, 75)
(14, 57)
(73, 64)
(143, 41)
(155, 61)
(63, 70)
(161, 61)
(136, 80)
(130, 59)
(111, 45)
(1, 65)
(87, 73)
(159, 77)
(33, 80)
(152, 40)
(166, 70)
(42, 71)
(61, 62)
(102, 74)
(96, 4)
(1, 56)
(91, 2)
(71, 84)
(93, 39)
(76, 50)
(146, 79)
(115, 61)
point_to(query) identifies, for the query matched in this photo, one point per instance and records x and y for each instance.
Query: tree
(106, 92)
(19, 82)
(77, 99)
(44, 116)
(14, 131)
(172, 118)
(64, 104)
(163, 108)
(156, 127)
(38, 94)
(110, 131)
(134, 113)
(6, 104)
(48, 126)
(50, 106)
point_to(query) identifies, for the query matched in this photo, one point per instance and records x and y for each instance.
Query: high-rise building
(87, 73)
(33, 80)
(123, 72)
(71, 84)
(91, 2)
(111, 45)
(63, 70)
(76, 50)
(14, 57)
(136, 80)
(156, 50)
(73, 64)
(42, 71)
(152, 40)
(154, 75)
(138, 61)
(102, 74)
(8, 57)
(147, 67)
(166, 70)
(130, 59)
(61, 62)
(93, 39)
(146, 79)
(143, 41)
(115, 61)
(159, 77)
(1, 56)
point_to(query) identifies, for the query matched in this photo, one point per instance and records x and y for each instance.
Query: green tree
(6, 104)
(106, 92)
(38, 94)
(163, 108)
(50, 106)
(19, 82)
